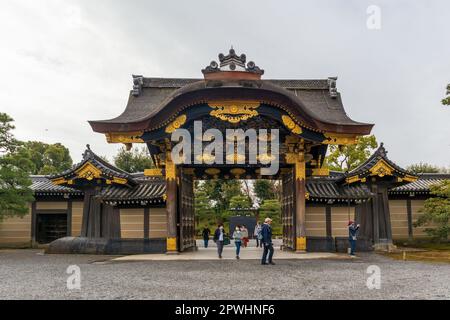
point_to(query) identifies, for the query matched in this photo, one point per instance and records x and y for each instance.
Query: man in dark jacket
(352, 231)
(219, 236)
(266, 233)
(205, 233)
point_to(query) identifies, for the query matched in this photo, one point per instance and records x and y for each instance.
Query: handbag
(226, 240)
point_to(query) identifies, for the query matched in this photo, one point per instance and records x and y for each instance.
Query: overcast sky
(65, 62)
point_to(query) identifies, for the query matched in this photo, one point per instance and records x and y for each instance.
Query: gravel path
(28, 274)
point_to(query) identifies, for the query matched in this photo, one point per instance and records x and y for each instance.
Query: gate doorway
(51, 227)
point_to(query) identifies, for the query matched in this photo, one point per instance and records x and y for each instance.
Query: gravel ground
(28, 274)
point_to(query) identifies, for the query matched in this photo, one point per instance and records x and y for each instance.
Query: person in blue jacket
(352, 231)
(266, 232)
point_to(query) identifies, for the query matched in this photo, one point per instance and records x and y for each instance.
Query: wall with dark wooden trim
(16, 232)
(316, 225)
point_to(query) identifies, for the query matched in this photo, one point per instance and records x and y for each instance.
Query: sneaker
(237, 257)
(263, 263)
(220, 257)
(272, 263)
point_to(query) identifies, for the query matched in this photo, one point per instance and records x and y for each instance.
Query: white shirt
(221, 235)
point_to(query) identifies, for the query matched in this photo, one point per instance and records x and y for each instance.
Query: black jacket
(217, 234)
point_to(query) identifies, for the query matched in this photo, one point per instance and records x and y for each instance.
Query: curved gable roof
(160, 100)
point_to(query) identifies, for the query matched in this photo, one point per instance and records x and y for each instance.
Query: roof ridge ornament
(332, 85)
(138, 82)
(233, 63)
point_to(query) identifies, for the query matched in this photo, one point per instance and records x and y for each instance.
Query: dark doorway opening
(51, 227)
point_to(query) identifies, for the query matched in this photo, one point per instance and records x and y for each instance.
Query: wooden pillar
(69, 217)
(33, 224)
(329, 227)
(410, 222)
(375, 211)
(171, 205)
(300, 202)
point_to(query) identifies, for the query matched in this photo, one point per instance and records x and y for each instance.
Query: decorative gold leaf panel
(234, 111)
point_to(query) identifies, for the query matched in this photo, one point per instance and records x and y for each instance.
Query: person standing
(266, 233)
(219, 236)
(205, 234)
(237, 236)
(244, 231)
(352, 231)
(257, 234)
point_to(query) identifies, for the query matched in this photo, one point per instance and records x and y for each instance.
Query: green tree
(240, 202)
(220, 192)
(204, 212)
(446, 101)
(350, 157)
(136, 160)
(265, 190)
(7, 141)
(46, 158)
(15, 191)
(271, 208)
(437, 211)
(423, 168)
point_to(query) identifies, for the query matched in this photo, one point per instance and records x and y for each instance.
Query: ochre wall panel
(77, 218)
(339, 220)
(316, 225)
(158, 223)
(399, 219)
(16, 231)
(132, 223)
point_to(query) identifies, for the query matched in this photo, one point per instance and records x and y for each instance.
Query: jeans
(219, 247)
(206, 241)
(238, 247)
(268, 249)
(352, 246)
(257, 242)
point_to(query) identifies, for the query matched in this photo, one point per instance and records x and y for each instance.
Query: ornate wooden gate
(288, 209)
(186, 212)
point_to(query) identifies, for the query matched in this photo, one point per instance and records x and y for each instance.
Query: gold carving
(238, 172)
(321, 172)
(171, 173)
(340, 138)
(355, 179)
(171, 244)
(234, 111)
(181, 120)
(124, 137)
(89, 172)
(298, 159)
(119, 180)
(291, 125)
(235, 158)
(59, 181)
(153, 172)
(301, 244)
(381, 169)
(212, 171)
(409, 178)
(307, 195)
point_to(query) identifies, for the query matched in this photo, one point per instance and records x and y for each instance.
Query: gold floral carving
(181, 120)
(88, 172)
(234, 111)
(381, 169)
(291, 125)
